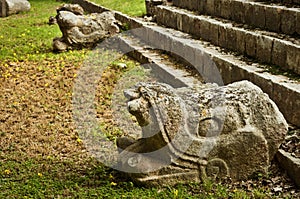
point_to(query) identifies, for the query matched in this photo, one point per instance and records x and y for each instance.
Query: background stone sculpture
(82, 30)
(188, 134)
(9, 7)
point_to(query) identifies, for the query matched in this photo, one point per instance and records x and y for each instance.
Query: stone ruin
(189, 134)
(9, 7)
(82, 31)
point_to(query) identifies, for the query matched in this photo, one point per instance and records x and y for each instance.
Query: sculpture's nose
(131, 94)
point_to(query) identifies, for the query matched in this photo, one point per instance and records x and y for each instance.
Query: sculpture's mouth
(138, 106)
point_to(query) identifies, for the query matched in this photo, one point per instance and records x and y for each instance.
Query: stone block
(214, 30)
(225, 11)
(239, 73)
(223, 36)
(199, 61)
(288, 101)
(251, 43)
(264, 49)
(217, 8)
(204, 29)
(249, 12)
(288, 21)
(293, 58)
(179, 24)
(195, 29)
(225, 69)
(202, 6)
(188, 53)
(210, 7)
(298, 23)
(290, 164)
(263, 80)
(231, 39)
(195, 5)
(279, 53)
(259, 16)
(273, 19)
(239, 11)
(240, 42)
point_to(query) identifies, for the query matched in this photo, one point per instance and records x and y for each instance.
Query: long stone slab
(270, 17)
(256, 44)
(290, 164)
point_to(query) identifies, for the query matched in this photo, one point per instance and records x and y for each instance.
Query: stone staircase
(254, 40)
(266, 35)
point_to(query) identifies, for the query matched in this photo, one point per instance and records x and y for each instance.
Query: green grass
(27, 36)
(41, 155)
(130, 7)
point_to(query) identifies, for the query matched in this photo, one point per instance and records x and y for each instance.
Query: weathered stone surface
(259, 17)
(83, 30)
(9, 7)
(250, 40)
(273, 19)
(288, 21)
(290, 164)
(74, 8)
(263, 51)
(298, 23)
(279, 53)
(293, 58)
(209, 131)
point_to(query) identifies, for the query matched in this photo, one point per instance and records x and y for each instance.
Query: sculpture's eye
(209, 127)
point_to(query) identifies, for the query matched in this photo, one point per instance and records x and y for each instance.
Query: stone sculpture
(189, 134)
(9, 7)
(80, 30)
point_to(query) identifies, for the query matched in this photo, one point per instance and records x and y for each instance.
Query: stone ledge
(266, 49)
(290, 164)
(275, 18)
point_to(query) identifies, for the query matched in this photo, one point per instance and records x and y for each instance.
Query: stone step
(162, 66)
(288, 2)
(260, 45)
(204, 57)
(266, 16)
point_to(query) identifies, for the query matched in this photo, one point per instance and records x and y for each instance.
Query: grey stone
(264, 49)
(204, 29)
(259, 16)
(9, 7)
(214, 30)
(232, 39)
(250, 40)
(238, 14)
(83, 30)
(273, 19)
(240, 40)
(279, 53)
(298, 23)
(293, 58)
(290, 164)
(218, 8)
(249, 10)
(288, 21)
(226, 9)
(210, 7)
(223, 36)
(190, 134)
